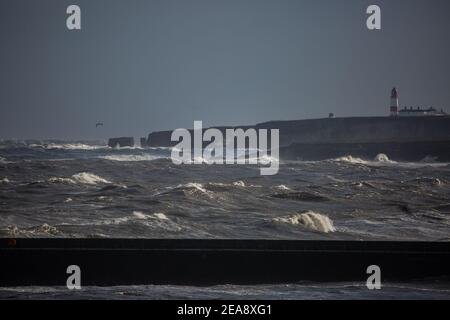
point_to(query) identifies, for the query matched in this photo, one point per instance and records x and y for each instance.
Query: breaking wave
(142, 216)
(156, 220)
(383, 160)
(309, 220)
(210, 187)
(44, 229)
(4, 161)
(89, 178)
(68, 146)
(282, 187)
(261, 160)
(350, 159)
(239, 183)
(264, 160)
(379, 159)
(82, 177)
(193, 186)
(135, 147)
(131, 157)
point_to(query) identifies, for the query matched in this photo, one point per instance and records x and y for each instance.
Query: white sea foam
(239, 184)
(235, 155)
(44, 229)
(310, 220)
(68, 146)
(135, 147)
(141, 216)
(131, 157)
(61, 180)
(155, 220)
(4, 161)
(82, 178)
(382, 160)
(379, 159)
(350, 159)
(5, 180)
(218, 184)
(160, 216)
(192, 185)
(47, 229)
(282, 187)
(89, 178)
(194, 188)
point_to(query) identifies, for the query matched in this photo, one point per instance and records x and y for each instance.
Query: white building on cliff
(411, 111)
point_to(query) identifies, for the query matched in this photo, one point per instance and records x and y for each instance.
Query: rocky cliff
(404, 137)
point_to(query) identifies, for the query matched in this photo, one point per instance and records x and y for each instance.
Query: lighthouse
(394, 102)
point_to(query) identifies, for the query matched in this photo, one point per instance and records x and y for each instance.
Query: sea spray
(89, 178)
(382, 158)
(239, 183)
(68, 146)
(350, 159)
(81, 178)
(310, 220)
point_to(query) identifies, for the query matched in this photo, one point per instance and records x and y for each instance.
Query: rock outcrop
(121, 142)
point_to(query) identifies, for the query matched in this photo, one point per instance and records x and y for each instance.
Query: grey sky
(141, 66)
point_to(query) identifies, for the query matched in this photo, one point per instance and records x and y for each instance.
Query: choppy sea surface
(85, 189)
(430, 290)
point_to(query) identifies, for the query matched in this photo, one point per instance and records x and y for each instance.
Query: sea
(85, 189)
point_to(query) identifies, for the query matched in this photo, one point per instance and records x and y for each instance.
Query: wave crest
(192, 186)
(89, 178)
(131, 157)
(310, 220)
(4, 161)
(350, 159)
(282, 187)
(156, 220)
(81, 178)
(44, 229)
(67, 146)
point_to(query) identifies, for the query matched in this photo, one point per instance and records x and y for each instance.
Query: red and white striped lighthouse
(394, 102)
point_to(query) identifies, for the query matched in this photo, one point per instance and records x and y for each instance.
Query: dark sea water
(90, 190)
(435, 290)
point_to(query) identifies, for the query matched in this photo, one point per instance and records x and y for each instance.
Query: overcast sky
(140, 66)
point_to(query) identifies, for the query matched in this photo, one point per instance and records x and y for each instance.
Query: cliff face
(362, 130)
(401, 138)
(346, 130)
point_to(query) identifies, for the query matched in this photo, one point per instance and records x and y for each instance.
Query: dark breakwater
(107, 262)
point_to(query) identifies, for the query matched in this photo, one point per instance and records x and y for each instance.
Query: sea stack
(121, 142)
